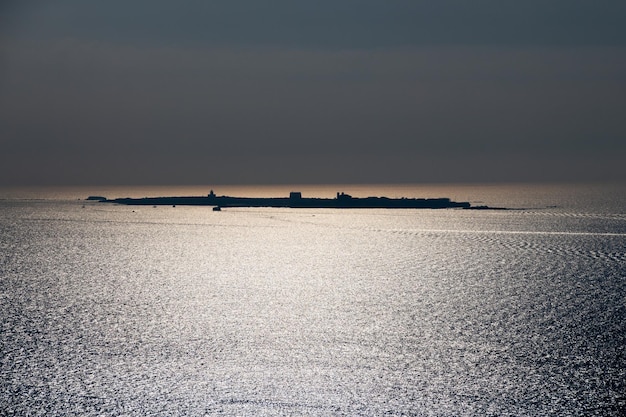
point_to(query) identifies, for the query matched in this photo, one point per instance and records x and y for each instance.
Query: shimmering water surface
(119, 310)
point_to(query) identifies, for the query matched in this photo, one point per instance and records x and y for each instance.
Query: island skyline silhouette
(295, 200)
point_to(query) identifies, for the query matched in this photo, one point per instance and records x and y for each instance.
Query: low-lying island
(295, 200)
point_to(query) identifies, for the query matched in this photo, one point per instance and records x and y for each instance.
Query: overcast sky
(248, 91)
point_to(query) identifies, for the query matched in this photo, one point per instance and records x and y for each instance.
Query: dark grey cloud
(209, 92)
(327, 23)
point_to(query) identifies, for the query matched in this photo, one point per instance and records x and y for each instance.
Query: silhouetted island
(295, 200)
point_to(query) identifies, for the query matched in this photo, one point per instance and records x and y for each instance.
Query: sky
(291, 92)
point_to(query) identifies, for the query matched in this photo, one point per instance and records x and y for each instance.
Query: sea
(112, 310)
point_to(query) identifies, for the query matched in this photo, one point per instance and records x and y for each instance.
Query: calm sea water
(139, 311)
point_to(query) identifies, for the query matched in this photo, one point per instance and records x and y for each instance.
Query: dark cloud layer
(326, 23)
(284, 91)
